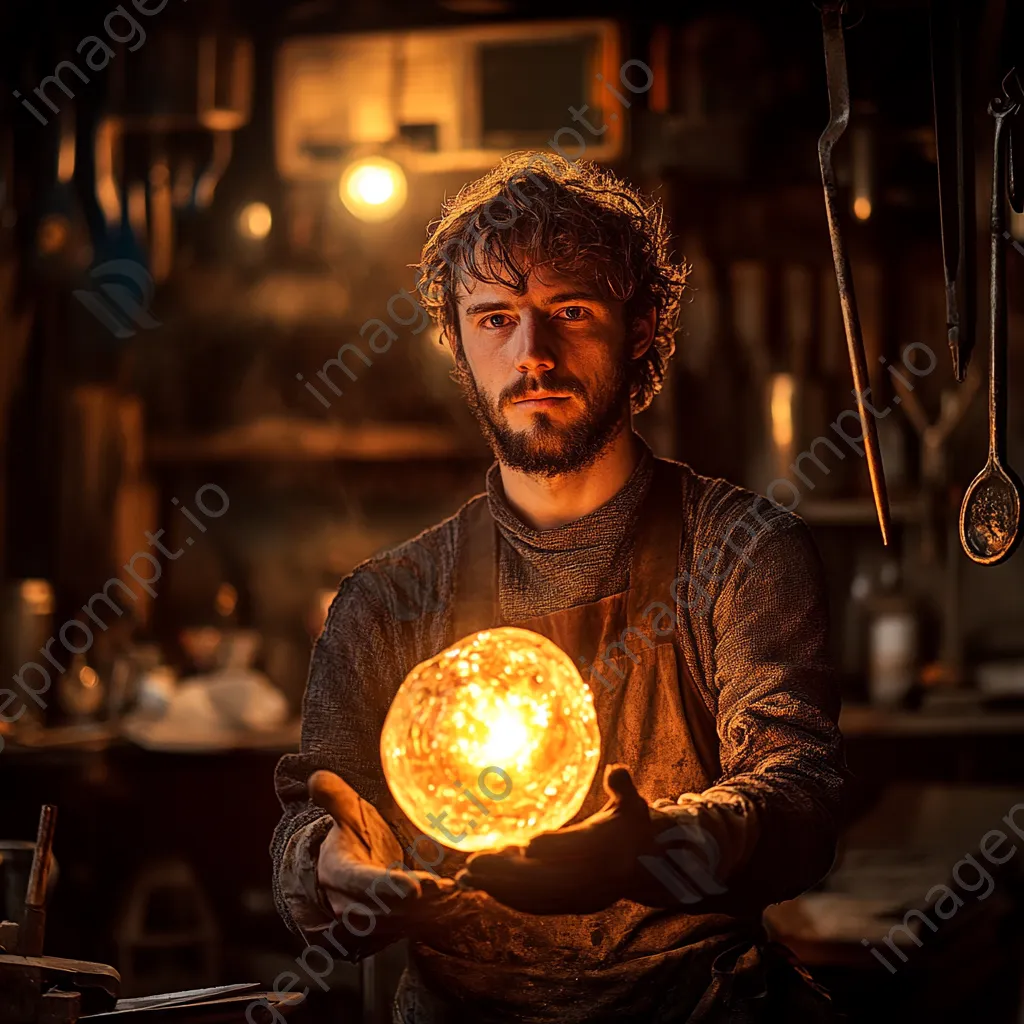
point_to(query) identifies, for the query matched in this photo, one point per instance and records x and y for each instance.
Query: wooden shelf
(289, 439)
(861, 720)
(858, 511)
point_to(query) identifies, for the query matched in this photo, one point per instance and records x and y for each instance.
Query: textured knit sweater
(752, 627)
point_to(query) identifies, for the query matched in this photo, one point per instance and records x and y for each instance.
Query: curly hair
(537, 209)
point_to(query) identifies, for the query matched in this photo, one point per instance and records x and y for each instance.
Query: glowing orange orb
(492, 741)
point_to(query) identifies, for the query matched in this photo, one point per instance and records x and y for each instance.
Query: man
(694, 609)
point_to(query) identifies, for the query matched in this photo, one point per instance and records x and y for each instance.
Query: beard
(546, 448)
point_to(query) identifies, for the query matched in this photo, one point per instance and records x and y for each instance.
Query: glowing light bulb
(373, 189)
(372, 185)
(862, 208)
(255, 220)
(492, 741)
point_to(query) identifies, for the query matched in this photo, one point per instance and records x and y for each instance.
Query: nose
(534, 353)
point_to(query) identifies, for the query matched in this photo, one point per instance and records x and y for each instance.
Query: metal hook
(1019, 98)
(844, 6)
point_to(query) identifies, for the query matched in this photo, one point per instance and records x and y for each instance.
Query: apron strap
(475, 599)
(656, 548)
(654, 569)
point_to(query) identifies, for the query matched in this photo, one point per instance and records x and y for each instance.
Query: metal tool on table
(952, 38)
(990, 513)
(37, 989)
(839, 117)
(33, 923)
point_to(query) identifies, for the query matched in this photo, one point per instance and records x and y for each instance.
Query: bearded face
(545, 371)
(563, 434)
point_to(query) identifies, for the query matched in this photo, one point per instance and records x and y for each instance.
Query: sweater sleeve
(374, 627)
(768, 826)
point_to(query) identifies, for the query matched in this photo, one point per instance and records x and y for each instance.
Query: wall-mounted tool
(839, 117)
(990, 513)
(952, 41)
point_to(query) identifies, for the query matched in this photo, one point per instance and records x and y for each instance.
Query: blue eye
(575, 313)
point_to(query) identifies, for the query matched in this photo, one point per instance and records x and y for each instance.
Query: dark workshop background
(182, 251)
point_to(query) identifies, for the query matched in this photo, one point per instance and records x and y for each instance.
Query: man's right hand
(360, 866)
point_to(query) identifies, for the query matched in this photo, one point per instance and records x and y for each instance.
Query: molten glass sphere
(492, 741)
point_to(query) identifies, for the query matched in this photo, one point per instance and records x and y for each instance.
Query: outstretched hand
(583, 868)
(360, 862)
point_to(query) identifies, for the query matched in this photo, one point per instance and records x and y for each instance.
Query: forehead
(542, 284)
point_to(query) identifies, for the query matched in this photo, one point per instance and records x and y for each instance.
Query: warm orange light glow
(38, 595)
(226, 599)
(52, 234)
(492, 741)
(782, 410)
(862, 207)
(255, 221)
(373, 189)
(66, 157)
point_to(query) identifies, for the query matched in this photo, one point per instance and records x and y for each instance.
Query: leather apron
(628, 962)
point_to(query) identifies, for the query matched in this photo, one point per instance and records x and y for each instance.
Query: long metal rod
(1002, 111)
(954, 143)
(33, 925)
(839, 117)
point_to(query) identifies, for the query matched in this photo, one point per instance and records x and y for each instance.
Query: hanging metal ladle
(990, 513)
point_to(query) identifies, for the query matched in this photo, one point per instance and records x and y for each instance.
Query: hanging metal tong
(952, 41)
(839, 117)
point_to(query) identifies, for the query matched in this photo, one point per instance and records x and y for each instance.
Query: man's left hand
(583, 868)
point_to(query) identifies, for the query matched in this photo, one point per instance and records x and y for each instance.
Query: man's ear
(642, 333)
(450, 338)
